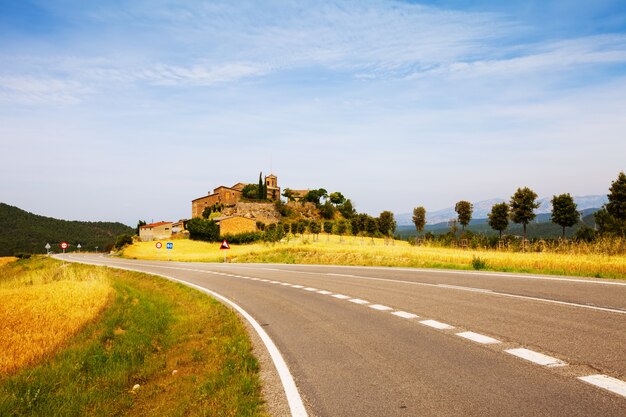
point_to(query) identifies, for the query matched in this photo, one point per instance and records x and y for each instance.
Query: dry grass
(330, 250)
(42, 307)
(7, 260)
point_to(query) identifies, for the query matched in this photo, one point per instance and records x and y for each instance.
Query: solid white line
(405, 315)
(380, 307)
(358, 301)
(324, 292)
(436, 324)
(291, 390)
(479, 338)
(341, 296)
(310, 289)
(606, 382)
(536, 357)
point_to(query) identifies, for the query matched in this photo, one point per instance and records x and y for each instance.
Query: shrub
(478, 263)
(202, 229)
(243, 238)
(123, 240)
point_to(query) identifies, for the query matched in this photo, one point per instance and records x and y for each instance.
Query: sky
(128, 110)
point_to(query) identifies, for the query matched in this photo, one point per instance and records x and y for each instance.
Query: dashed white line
(478, 338)
(310, 289)
(341, 296)
(274, 282)
(286, 284)
(405, 315)
(436, 324)
(380, 307)
(536, 357)
(606, 382)
(324, 292)
(297, 286)
(358, 301)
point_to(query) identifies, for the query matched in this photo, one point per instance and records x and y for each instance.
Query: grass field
(189, 354)
(367, 252)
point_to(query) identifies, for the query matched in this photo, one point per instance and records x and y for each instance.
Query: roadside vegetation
(362, 251)
(118, 343)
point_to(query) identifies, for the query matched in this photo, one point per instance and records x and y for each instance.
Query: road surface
(397, 342)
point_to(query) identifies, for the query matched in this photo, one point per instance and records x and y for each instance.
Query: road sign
(48, 246)
(225, 245)
(159, 245)
(170, 245)
(64, 245)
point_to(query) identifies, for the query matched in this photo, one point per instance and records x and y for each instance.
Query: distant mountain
(22, 231)
(482, 209)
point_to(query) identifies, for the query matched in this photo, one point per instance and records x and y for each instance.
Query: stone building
(229, 196)
(234, 225)
(155, 231)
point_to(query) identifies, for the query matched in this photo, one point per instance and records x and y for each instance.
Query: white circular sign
(159, 245)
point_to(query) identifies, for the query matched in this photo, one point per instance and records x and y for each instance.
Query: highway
(363, 341)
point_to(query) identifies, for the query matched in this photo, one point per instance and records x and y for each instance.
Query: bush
(478, 263)
(243, 238)
(22, 255)
(123, 240)
(202, 229)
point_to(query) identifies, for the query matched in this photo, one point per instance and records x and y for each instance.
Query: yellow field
(41, 307)
(330, 250)
(7, 260)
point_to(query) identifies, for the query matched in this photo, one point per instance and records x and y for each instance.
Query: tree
(499, 217)
(314, 196)
(371, 226)
(123, 240)
(250, 191)
(203, 229)
(336, 198)
(523, 204)
(616, 207)
(289, 194)
(419, 219)
(262, 194)
(464, 210)
(341, 227)
(564, 211)
(347, 209)
(139, 224)
(328, 228)
(386, 223)
(315, 228)
(327, 210)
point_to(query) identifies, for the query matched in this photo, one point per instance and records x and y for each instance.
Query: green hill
(22, 231)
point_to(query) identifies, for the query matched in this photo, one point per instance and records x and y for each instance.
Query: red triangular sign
(224, 245)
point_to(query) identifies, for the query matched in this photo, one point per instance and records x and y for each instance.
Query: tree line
(610, 219)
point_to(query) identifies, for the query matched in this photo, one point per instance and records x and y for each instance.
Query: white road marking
(358, 301)
(294, 399)
(274, 282)
(478, 338)
(342, 275)
(310, 289)
(265, 280)
(458, 287)
(405, 315)
(285, 284)
(536, 357)
(380, 307)
(324, 292)
(297, 286)
(606, 382)
(436, 324)
(341, 296)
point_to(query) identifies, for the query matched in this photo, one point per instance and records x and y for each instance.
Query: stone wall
(263, 212)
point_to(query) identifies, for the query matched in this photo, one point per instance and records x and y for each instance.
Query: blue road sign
(170, 245)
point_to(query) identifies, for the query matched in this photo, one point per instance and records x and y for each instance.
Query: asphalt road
(375, 351)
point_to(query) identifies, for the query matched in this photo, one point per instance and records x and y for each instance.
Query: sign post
(64, 246)
(169, 246)
(78, 247)
(48, 248)
(224, 246)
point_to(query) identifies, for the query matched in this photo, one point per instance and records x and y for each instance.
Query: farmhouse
(234, 225)
(229, 196)
(155, 231)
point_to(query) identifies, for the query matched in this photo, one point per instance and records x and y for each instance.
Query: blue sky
(126, 110)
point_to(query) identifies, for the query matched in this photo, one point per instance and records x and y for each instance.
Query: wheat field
(378, 252)
(43, 306)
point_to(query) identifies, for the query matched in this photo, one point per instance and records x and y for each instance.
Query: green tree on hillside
(315, 228)
(371, 226)
(250, 191)
(564, 211)
(386, 223)
(419, 219)
(341, 227)
(289, 194)
(139, 224)
(347, 209)
(327, 210)
(523, 204)
(262, 193)
(328, 227)
(612, 217)
(336, 198)
(464, 210)
(203, 229)
(314, 196)
(499, 217)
